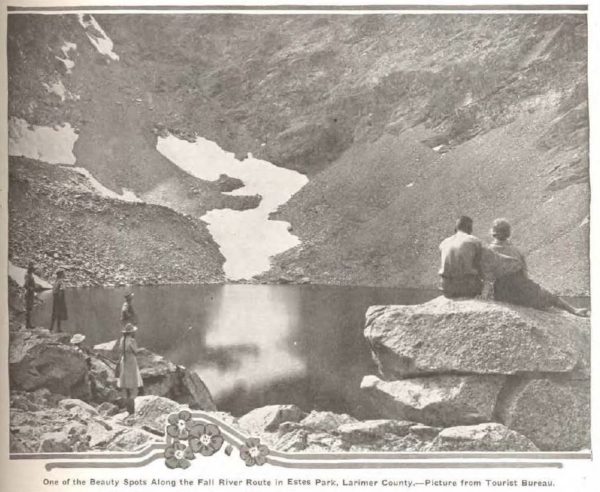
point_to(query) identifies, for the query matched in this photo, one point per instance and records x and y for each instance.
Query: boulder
(268, 419)
(326, 421)
(424, 432)
(553, 413)
(55, 442)
(481, 437)
(108, 409)
(40, 359)
(473, 336)
(371, 430)
(152, 411)
(194, 392)
(436, 400)
(310, 442)
(69, 403)
(131, 440)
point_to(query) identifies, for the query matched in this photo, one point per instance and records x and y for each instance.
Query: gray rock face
(326, 421)
(132, 439)
(482, 437)
(471, 336)
(268, 419)
(370, 430)
(554, 414)
(40, 359)
(152, 411)
(436, 400)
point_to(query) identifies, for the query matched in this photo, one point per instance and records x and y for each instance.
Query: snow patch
(43, 143)
(56, 88)
(585, 221)
(247, 238)
(97, 36)
(410, 185)
(18, 275)
(66, 48)
(127, 196)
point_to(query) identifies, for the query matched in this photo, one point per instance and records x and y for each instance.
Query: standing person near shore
(59, 305)
(30, 289)
(517, 287)
(128, 314)
(130, 379)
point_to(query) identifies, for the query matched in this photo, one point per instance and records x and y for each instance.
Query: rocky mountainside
(401, 122)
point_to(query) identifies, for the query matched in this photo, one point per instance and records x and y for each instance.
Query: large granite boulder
(477, 337)
(482, 437)
(268, 418)
(553, 413)
(444, 400)
(40, 359)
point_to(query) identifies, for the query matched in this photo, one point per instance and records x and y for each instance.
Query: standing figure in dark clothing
(518, 288)
(30, 289)
(59, 305)
(128, 314)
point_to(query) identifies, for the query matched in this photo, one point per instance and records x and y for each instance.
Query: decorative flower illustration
(205, 439)
(177, 455)
(253, 452)
(179, 424)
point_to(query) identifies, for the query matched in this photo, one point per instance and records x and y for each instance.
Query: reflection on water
(253, 345)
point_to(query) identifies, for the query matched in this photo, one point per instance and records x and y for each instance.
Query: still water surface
(253, 345)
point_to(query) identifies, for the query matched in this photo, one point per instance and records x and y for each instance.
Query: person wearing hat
(517, 287)
(59, 305)
(130, 379)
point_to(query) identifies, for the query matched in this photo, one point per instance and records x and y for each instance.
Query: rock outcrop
(59, 404)
(40, 359)
(437, 400)
(475, 337)
(482, 437)
(163, 378)
(459, 362)
(40, 423)
(322, 432)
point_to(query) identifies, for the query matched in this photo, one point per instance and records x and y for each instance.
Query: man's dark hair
(464, 224)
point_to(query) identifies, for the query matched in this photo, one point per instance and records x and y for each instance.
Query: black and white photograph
(339, 231)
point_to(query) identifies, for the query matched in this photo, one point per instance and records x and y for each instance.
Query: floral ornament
(179, 424)
(177, 455)
(205, 439)
(253, 452)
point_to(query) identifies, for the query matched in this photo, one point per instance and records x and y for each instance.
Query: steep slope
(400, 122)
(56, 219)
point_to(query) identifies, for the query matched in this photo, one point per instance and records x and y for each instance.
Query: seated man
(466, 262)
(517, 287)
